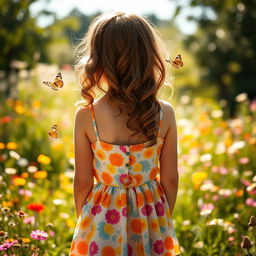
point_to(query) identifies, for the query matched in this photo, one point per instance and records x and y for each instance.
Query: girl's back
(125, 211)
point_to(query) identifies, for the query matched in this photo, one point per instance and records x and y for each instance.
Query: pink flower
(146, 210)
(250, 202)
(96, 209)
(223, 170)
(215, 197)
(159, 209)
(243, 160)
(7, 245)
(158, 246)
(206, 208)
(94, 248)
(39, 235)
(112, 216)
(29, 220)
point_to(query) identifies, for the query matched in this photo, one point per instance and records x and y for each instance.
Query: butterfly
(58, 83)
(177, 63)
(53, 132)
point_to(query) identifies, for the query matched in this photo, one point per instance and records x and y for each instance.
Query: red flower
(6, 119)
(35, 207)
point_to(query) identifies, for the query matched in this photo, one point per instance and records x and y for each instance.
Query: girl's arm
(169, 176)
(83, 178)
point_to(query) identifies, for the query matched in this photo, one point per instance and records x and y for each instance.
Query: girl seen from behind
(125, 141)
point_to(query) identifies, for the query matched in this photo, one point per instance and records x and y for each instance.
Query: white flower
(14, 155)
(10, 171)
(22, 162)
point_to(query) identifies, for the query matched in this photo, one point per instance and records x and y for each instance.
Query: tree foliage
(224, 46)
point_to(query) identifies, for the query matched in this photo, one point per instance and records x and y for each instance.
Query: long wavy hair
(126, 51)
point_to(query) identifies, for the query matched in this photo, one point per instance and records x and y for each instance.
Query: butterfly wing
(50, 84)
(58, 81)
(53, 132)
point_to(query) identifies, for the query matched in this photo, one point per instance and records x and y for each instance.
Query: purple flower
(159, 209)
(94, 248)
(96, 209)
(39, 235)
(146, 210)
(158, 247)
(7, 245)
(112, 216)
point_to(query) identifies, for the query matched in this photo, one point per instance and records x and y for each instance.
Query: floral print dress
(126, 212)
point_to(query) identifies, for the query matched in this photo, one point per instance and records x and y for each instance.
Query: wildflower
(11, 145)
(10, 171)
(11, 224)
(25, 192)
(198, 178)
(243, 160)
(2, 145)
(6, 119)
(22, 162)
(32, 169)
(14, 154)
(5, 209)
(246, 243)
(43, 159)
(40, 174)
(252, 221)
(21, 214)
(29, 220)
(35, 207)
(7, 245)
(2, 233)
(39, 235)
(18, 181)
(25, 240)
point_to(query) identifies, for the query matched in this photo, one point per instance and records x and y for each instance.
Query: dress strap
(94, 121)
(160, 120)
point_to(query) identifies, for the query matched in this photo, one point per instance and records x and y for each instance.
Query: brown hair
(126, 51)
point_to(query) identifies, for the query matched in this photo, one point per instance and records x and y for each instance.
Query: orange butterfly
(177, 63)
(58, 83)
(53, 132)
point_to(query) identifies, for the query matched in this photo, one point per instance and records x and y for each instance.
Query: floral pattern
(126, 212)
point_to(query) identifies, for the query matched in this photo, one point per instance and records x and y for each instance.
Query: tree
(20, 39)
(224, 46)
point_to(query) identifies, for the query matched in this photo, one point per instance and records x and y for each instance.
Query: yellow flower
(70, 223)
(26, 240)
(7, 204)
(43, 159)
(2, 145)
(18, 181)
(11, 145)
(36, 103)
(40, 174)
(198, 178)
(19, 109)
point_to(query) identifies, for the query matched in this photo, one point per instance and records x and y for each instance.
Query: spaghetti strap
(94, 121)
(160, 120)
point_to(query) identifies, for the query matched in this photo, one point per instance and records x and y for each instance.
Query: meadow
(215, 209)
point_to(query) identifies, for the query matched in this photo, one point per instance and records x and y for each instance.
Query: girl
(128, 211)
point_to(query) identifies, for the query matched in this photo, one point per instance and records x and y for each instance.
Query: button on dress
(126, 212)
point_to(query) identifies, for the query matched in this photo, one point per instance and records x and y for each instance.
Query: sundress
(126, 212)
